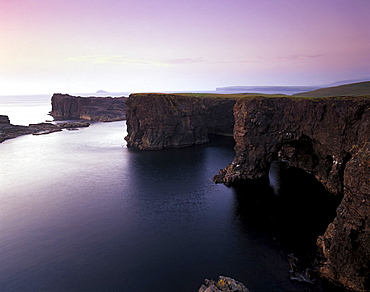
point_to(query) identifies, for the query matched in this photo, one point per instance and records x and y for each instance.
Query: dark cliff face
(219, 116)
(158, 121)
(327, 138)
(345, 246)
(4, 120)
(315, 135)
(103, 109)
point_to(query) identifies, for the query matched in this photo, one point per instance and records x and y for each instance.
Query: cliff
(157, 121)
(345, 246)
(326, 137)
(103, 109)
(312, 134)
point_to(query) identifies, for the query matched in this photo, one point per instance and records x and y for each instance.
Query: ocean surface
(79, 211)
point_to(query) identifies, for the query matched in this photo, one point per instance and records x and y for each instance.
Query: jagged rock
(312, 134)
(224, 284)
(9, 131)
(326, 137)
(103, 109)
(4, 120)
(158, 121)
(345, 246)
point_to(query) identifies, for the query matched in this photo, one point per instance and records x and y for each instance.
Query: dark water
(81, 212)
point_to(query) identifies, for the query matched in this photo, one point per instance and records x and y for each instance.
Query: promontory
(102, 109)
(328, 138)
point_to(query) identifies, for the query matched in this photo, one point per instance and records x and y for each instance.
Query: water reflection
(79, 211)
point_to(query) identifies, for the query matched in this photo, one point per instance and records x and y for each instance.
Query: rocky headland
(102, 109)
(326, 137)
(157, 121)
(9, 131)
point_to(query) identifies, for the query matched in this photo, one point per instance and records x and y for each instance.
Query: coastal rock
(103, 109)
(224, 284)
(315, 135)
(4, 120)
(9, 131)
(345, 246)
(328, 138)
(159, 121)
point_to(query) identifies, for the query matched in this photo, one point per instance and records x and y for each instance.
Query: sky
(75, 46)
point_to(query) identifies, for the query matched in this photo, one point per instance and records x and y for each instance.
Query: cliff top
(211, 95)
(353, 89)
(257, 95)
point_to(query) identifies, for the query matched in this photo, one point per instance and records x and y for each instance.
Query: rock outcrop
(328, 138)
(103, 109)
(4, 120)
(345, 246)
(9, 131)
(158, 121)
(224, 284)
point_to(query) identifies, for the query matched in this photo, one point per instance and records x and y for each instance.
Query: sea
(79, 211)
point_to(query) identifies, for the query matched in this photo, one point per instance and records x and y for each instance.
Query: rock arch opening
(295, 216)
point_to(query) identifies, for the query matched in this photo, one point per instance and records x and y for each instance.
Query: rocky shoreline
(9, 131)
(68, 107)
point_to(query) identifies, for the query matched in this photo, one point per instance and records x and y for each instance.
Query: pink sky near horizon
(80, 46)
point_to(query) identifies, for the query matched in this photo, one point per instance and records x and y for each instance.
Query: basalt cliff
(157, 121)
(328, 138)
(103, 109)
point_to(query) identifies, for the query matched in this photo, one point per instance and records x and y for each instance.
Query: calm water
(79, 211)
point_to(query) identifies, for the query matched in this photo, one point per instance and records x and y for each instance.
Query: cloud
(115, 59)
(184, 61)
(300, 57)
(124, 60)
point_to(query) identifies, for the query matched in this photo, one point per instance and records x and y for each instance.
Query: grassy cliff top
(214, 95)
(256, 95)
(353, 89)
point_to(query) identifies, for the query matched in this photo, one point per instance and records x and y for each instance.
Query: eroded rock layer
(103, 109)
(158, 121)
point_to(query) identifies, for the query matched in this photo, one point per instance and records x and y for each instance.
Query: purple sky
(75, 46)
